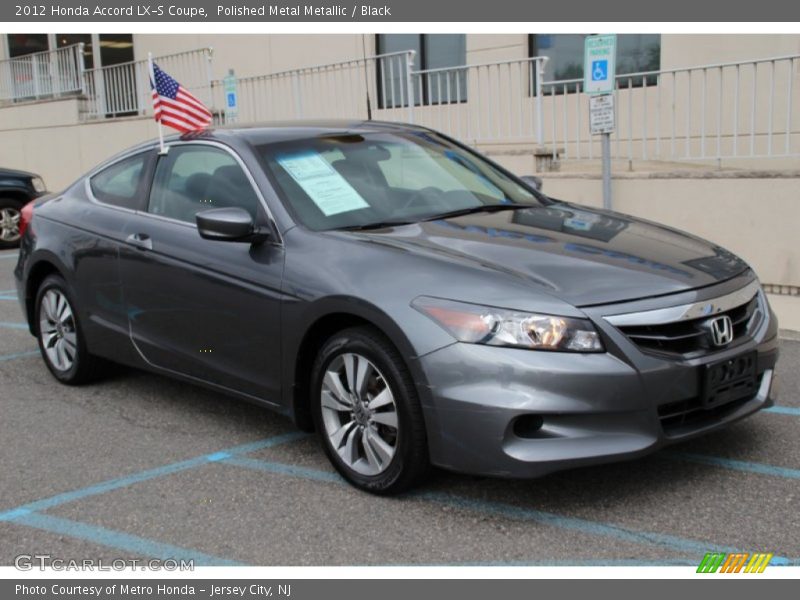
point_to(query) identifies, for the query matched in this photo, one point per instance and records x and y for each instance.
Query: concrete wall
(61, 152)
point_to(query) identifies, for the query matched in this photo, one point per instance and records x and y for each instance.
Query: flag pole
(162, 149)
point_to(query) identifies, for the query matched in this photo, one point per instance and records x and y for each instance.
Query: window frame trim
(276, 239)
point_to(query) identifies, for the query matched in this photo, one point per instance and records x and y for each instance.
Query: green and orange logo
(738, 562)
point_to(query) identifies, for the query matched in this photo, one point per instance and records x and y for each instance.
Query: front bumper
(593, 408)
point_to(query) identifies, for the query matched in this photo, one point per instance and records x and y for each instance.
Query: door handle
(141, 241)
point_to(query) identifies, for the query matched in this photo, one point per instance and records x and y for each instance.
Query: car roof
(279, 131)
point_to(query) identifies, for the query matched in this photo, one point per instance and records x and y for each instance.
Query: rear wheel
(9, 223)
(367, 412)
(61, 340)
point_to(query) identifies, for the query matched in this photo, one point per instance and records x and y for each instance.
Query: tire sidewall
(55, 282)
(359, 343)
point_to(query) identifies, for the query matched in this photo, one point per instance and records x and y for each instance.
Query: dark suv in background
(17, 188)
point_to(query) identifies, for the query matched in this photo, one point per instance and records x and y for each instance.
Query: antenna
(366, 75)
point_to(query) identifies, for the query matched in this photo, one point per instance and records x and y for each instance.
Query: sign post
(599, 72)
(231, 97)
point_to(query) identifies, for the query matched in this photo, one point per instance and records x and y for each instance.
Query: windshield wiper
(445, 215)
(490, 208)
(376, 225)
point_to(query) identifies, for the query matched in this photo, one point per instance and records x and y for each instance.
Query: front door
(206, 309)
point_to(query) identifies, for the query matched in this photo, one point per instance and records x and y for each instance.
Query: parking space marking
(8, 256)
(6, 357)
(119, 540)
(784, 410)
(121, 482)
(9, 325)
(506, 510)
(8, 297)
(736, 465)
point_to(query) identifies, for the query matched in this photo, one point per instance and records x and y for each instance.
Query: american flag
(174, 106)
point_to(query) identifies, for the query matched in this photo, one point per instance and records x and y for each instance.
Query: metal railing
(124, 89)
(478, 103)
(484, 103)
(335, 90)
(746, 109)
(43, 75)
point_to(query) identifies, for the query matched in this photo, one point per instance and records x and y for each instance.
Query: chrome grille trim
(686, 312)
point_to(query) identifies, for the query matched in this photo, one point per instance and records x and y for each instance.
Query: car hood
(577, 254)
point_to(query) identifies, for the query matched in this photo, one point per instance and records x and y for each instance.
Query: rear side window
(120, 184)
(193, 178)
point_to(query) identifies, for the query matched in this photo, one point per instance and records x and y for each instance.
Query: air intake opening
(528, 426)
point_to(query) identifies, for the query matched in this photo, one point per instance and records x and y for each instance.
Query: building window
(20, 44)
(68, 39)
(432, 51)
(636, 53)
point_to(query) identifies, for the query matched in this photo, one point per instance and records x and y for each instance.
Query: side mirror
(533, 181)
(229, 225)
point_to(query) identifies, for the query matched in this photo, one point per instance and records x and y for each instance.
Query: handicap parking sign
(231, 99)
(599, 64)
(599, 70)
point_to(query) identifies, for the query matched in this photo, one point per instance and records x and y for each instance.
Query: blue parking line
(784, 410)
(509, 511)
(284, 469)
(8, 297)
(8, 256)
(119, 540)
(5, 357)
(736, 465)
(5, 292)
(121, 482)
(9, 325)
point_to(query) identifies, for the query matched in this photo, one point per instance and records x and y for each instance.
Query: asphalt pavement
(139, 466)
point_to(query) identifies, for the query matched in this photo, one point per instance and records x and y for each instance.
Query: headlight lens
(38, 184)
(477, 324)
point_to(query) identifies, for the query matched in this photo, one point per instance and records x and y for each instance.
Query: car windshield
(356, 180)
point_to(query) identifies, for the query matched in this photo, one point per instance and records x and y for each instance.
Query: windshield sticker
(324, 185)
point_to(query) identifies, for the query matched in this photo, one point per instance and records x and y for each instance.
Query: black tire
(410, 463)
(84, 366)
(8, 205)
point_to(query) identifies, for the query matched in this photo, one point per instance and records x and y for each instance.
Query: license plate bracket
(729, 380)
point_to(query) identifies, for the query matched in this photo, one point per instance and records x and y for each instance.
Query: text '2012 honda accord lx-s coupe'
(405, 297)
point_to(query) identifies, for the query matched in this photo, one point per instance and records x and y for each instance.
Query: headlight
(38, 184)
(477, 324)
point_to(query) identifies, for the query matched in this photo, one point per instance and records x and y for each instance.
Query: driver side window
(196, 177)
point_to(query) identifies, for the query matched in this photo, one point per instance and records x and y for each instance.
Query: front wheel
(367, 412)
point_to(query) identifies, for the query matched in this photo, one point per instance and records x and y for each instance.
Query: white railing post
(410, 92)
(541, 63)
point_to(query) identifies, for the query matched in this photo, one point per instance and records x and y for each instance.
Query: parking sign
(599, 64)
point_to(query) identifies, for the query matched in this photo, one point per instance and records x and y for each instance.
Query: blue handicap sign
(599, 70)
(231, 99)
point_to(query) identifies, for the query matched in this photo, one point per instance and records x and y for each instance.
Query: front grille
(686, 415)
(690, 339)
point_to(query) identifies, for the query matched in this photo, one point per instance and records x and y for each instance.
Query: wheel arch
(325, 319)
(37, 273)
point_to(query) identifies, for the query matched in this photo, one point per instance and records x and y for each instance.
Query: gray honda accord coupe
(413, 302)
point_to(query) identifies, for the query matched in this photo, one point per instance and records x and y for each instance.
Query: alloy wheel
(359, 414)
(57, 330)
(9, 224)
